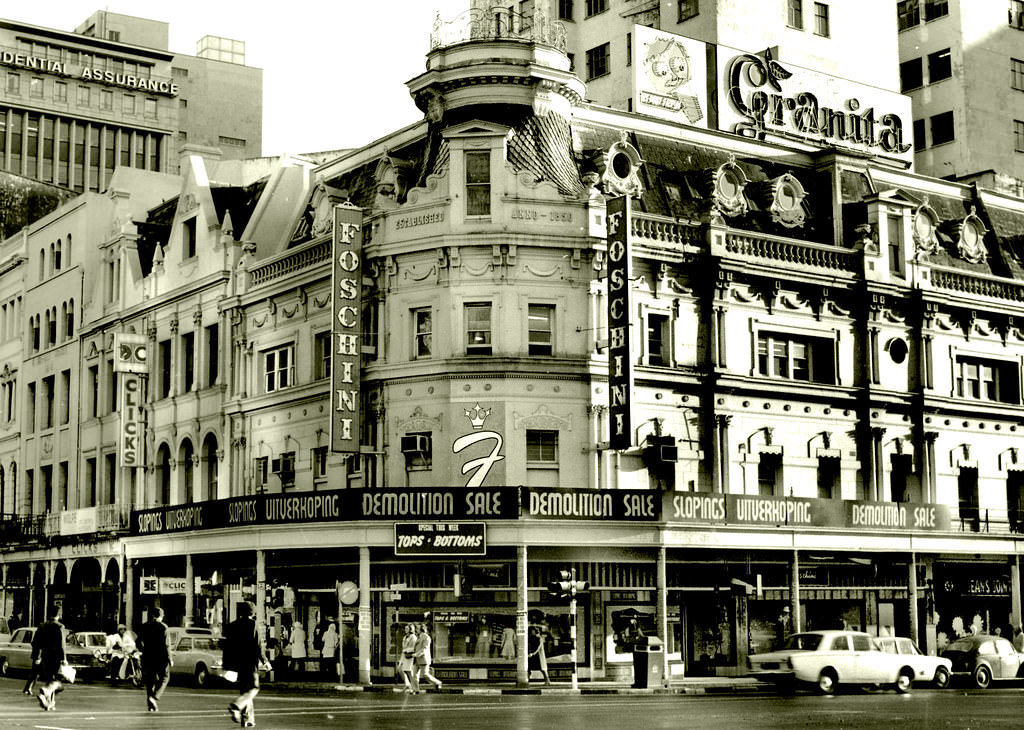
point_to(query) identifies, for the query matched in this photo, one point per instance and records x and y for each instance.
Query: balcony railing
(290, 263)
(658, 231)
(497, 23)
(792, 252)
(978, 285)
(976, 519)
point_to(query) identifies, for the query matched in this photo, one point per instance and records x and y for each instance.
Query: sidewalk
(676, 685)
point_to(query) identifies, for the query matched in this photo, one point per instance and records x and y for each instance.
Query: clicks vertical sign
(131, 363)
(346, 279)
(620, 361)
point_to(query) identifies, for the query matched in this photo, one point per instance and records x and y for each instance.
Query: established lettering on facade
(346, 302)
(421, 219)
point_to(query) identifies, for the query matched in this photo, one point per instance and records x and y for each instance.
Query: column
(794, 594)
(261, 593)
(722, 452)
(662, 586)
(365, 633)
(912, 598)
(877, 467)
(522, 672)
(1015, 613)
(30, 617)
(129, 592)
(929, 463)
(3, 586)
(190, 585)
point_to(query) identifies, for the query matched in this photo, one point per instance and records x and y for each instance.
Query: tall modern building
(75, 105)
(742, 371)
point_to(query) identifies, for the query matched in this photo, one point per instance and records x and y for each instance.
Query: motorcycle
(131, 661)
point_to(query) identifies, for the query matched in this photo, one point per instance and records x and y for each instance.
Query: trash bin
(647, 663)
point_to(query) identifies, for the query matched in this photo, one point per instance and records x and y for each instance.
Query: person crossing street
(155, 644)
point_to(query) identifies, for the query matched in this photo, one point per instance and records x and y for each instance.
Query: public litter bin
(647, 663)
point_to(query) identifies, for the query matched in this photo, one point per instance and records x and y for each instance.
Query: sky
(334, 73)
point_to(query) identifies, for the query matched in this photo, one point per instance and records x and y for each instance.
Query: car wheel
(941, 679)
(905, 681)
(201, 676)
(982, 677)
(827, 682)
(4, 667)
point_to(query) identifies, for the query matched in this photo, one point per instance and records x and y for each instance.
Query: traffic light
(567, 586)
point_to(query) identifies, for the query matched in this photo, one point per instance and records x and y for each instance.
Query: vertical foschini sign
(620, 361)
(131, 363)
(346, 287)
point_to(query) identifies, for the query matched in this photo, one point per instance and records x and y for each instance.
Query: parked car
(827, 659)
(5, 630)
(16, 654)
(984, 658)
(196, 656)
(934, 669)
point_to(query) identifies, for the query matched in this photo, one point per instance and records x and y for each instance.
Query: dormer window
(924, 226)
(188, 238)
(478, 183)
(971, 243)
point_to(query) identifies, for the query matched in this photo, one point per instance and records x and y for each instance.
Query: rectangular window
(164, 363)
(940, 66)
(629, 49)
(935, 9)
(212, 354)
(795, 14)
(30, 409)
(828, 477)
(84, 96)
(262, 470)
(1015, 499)
(94, 391)
(596, 6)
(65, 397)
(128, 104)
(896, 254)
(423, 331)
(541, 447)
(111, 481)
(899, 477)
(769, 468)
(988, 380)
(188, 361)
(49, 395)
(541, 329)
(112, 378)
(60, 92)
(942, 128)
(919, 135)
(565, 9)
(1017, 14)
(278, 370)
(657, 339)
(318, 458)
(599, 61)
(688, 9)
(188, 238)
(90, 483)
(1018, 135)
(781, 355)
(821, 26)
(35, 87)
(478, 329)
(106, 99)
(911, 74)
(478, 183)
(967, 493)
(149, 108)
(322, 355)
(418, 449)
(13, 83)
(1016, 74)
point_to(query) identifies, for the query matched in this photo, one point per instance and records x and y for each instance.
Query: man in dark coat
(155, 644)
(243, 653)
(47, 656)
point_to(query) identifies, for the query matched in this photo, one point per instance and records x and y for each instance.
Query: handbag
(67, 673)
(231, 676)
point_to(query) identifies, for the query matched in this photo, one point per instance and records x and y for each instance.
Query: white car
(827, 659)
(934, 669)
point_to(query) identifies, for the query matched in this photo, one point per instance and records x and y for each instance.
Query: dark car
(984, 658)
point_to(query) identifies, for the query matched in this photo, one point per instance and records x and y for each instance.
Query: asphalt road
(99, 707)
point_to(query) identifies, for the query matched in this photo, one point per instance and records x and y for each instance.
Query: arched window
(164, 462)
(56, 256)
(42, 264)
(209, 476)
(52, 257)
(51, 330)
(69, 329)
(186, 491)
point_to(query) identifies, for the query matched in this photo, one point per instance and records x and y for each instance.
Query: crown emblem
(477, 415)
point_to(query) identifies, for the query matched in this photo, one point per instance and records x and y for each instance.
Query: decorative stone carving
(970, 238)
(728, 193)
(924, 224)
(783, 197)
(621, 175)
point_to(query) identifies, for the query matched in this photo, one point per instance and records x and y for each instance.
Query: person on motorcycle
(119, 647)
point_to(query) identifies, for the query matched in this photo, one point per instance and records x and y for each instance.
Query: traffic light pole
(572, 630)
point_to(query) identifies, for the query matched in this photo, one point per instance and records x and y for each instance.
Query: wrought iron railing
(497, 23)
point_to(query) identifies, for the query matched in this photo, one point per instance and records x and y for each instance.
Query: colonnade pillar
(365, 629)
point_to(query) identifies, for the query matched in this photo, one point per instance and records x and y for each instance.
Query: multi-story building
(743, 376)
(73, 106)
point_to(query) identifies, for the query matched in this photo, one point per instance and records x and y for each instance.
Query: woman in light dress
(407, 663)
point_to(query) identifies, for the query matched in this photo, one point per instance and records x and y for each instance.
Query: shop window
(821, 20)
(967, 492)
(935, 9)
(478, 183)
(599, 61)
(940, 66)
(796, 357)
(942, 128)
(596, 6)
(688, 9)
(988, 380)
(1015, 499)
(658, 341)
(478, 329)
(423, 332)
(828, 478)
(911, 74)
(417, 448)
(795, 14)
(278, 368)
(541, 325)
(769, 474)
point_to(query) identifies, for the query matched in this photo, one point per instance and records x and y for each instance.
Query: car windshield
(961, 645)
(803, 642)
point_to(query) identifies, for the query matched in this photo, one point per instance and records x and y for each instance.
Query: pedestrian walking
(243, 654)
(329, 652)
(298, 645)
(47, 656)
(537, 661)
(422, 653)
(407, 662)
(155, 644)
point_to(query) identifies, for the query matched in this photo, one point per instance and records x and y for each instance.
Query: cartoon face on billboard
(670, 75)
(667, 65)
